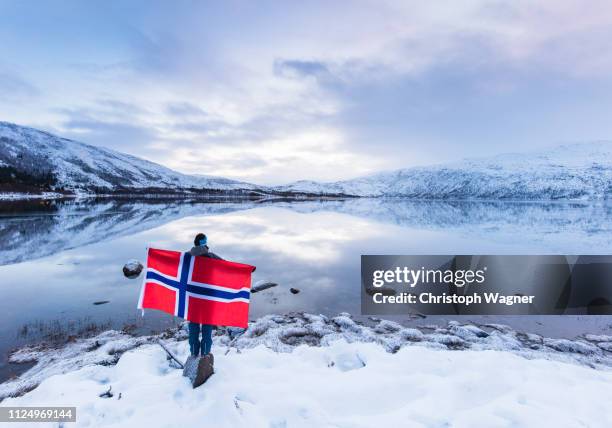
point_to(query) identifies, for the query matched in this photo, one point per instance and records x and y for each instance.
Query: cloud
(113, 135)
(281, 91)
(299, 68)
(184, 109)
(14, 87)
(109, 123)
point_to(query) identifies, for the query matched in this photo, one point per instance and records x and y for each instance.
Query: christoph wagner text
(471, 299)
(412, 277)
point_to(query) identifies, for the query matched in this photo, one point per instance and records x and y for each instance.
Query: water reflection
(59, 259)
(35, 230)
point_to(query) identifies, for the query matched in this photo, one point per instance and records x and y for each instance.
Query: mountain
(36, 161)
(575, 171)
(33, 160)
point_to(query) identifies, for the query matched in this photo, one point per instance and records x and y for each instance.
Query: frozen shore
(311, 370)
(17, 196)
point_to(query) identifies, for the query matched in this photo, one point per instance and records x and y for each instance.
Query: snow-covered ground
(307, 370)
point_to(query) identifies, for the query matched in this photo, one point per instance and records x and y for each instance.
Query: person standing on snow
(199, 365)
(201, 347)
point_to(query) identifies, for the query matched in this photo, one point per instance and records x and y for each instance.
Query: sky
(274, 91)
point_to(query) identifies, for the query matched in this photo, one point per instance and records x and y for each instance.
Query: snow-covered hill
(31, 158)
(577, 171)
(35, 160)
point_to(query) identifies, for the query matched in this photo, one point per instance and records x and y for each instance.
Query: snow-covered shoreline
(23, 196)
(284, 348)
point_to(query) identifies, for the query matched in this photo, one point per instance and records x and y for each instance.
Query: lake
(59, 258)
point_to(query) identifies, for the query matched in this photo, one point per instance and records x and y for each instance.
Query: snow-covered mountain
(576, 171)
(33, 160)
(30, 158)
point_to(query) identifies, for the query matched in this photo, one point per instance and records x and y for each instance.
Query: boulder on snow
(132, 269)
(198, 369)
(294, 290)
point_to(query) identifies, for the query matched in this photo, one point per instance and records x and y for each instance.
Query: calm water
(57, 259)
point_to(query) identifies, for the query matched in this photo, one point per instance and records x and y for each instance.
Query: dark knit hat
(199, 238)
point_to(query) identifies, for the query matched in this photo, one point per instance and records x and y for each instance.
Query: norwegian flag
(196, 288)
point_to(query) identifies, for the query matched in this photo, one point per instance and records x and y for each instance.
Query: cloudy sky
(272, 92)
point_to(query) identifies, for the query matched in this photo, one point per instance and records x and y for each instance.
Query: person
(200, 363)
(197, 346)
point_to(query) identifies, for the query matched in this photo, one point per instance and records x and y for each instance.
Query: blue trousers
(196, 346)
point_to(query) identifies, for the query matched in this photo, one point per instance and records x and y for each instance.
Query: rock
(574, 346)
(107, 393)
(606, 346)
(190, 367)
(386, 326)
(467, 332)
(262, 285)
(598, 338)
(294, 290)
(132, 269)
(451, 342)
(234, 332)
(412, 335)
(198, 369)
(101, 302)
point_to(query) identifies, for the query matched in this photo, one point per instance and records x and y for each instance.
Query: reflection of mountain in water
(33, 231)
(542, 217)
(577, 226)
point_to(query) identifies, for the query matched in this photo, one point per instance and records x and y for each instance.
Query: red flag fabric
(196, 288)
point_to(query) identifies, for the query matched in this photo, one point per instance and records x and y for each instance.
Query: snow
(574, 171)
(343, 385)
(311, 370)
(80, 167)
(132, 265)
(14, 196)
(103, 349)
